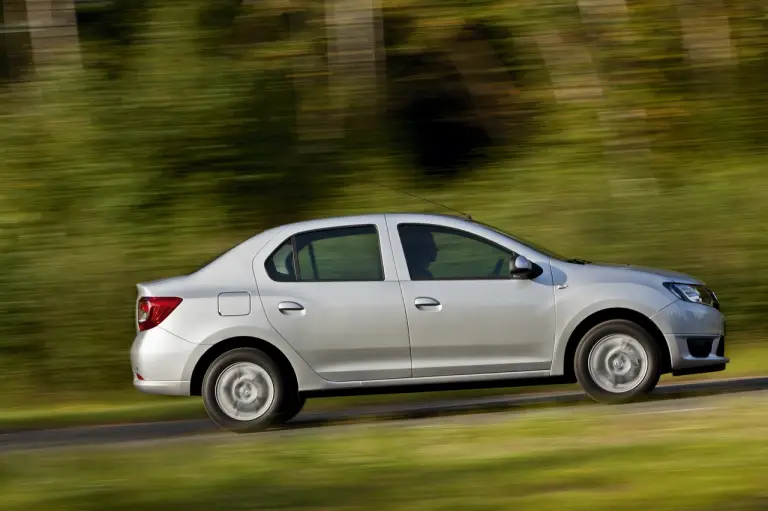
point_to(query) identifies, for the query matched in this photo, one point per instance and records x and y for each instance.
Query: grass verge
(749, 359)
(711, 458)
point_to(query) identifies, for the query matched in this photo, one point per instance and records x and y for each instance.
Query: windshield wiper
(578, 261)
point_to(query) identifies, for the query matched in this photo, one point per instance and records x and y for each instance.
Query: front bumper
(158, 362)
(695, 354)
(695, 335)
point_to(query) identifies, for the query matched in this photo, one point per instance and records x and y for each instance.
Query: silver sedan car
(389, 302)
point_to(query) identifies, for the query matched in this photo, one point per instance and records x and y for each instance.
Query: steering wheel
(497, 269)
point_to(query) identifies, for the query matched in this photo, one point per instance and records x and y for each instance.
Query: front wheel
(617, 361)
(243, 391)
(291, 408)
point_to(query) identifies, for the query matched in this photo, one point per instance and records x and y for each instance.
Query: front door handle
(286, 307)
(427, 303)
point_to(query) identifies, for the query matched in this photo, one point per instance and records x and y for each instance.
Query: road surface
(668, 397)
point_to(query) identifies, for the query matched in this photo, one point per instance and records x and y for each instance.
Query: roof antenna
(466, 215)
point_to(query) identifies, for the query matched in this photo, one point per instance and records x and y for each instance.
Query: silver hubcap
(618, 363)
(244, 391)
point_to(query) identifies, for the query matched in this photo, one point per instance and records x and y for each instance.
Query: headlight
(693, 293)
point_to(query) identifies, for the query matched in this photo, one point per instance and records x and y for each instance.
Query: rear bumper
(167, 388)
(158, 362)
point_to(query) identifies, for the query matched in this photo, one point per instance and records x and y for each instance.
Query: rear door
(331, 291)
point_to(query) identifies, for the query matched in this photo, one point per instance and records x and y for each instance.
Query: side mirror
(521, 267)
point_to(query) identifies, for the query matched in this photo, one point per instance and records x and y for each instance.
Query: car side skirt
(437, 383)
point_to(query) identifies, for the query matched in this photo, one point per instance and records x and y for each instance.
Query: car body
(384, 302)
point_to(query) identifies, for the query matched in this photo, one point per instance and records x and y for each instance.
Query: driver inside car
(420, 251)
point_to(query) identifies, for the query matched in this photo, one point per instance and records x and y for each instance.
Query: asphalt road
(665, 397)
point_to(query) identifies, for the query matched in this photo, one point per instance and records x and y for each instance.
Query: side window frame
(455, 232)
(270, 268)
(295, 253)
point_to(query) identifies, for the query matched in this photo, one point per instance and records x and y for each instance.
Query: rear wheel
(617, 361)
(243, 391)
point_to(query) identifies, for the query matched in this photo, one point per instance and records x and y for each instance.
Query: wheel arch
(608, 314)
(218, 349)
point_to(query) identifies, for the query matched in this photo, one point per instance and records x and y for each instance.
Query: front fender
(574, 306)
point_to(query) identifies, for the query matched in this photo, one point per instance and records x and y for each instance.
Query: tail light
(154, 309)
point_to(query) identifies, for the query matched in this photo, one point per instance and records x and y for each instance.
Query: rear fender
(306, 377)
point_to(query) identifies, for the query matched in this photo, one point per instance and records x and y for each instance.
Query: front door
(325, 291)
(466, 315)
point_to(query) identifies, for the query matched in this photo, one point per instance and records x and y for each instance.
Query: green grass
(712, 458)
(748, 359)
(128, 410)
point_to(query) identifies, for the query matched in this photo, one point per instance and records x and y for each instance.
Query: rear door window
(342, 254)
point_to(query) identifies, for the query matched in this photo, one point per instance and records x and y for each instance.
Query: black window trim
(271, 257)
(466, 234)
(297, 270)
(295, 254)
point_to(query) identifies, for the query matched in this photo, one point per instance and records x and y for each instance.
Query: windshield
(529, 244)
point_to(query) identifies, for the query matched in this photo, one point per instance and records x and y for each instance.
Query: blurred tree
(195, 123)
(47, 29)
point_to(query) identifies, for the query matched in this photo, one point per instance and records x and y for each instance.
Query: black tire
(291, 408)
(270, 416)
(588, 342)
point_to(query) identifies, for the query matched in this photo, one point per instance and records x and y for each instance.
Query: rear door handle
(289, 307)
(427, 303)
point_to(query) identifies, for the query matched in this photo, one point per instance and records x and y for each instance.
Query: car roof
(443, 219)
(368, 217)
(258, 240)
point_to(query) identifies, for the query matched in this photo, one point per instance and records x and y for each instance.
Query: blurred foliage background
(613, 130)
